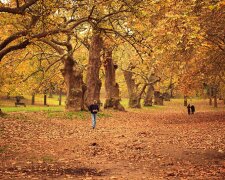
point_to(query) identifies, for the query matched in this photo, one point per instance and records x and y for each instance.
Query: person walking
(189, 109)
(192, 109)
(94, 108)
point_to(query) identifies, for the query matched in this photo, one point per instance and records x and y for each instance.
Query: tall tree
(111, 87)
(93, 81)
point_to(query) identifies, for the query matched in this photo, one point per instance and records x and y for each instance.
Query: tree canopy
(171, 46)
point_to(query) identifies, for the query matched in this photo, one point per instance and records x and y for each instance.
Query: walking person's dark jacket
(192, 109)
(189, 109)
(93, 108)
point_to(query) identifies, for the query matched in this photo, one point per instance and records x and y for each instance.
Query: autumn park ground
(150, 143)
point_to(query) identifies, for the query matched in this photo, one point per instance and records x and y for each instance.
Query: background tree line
(139, 47)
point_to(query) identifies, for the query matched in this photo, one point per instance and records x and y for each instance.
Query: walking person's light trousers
(93, 117)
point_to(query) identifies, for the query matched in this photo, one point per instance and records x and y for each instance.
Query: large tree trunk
(171, 93)
(210, 101)
(51, 91)
(74, 82)
(134, 98)
(45, 99)
(60, 97)
(33, 99)
(210, 96)
(215, 101)
(215, 97)
(149, 96)
(185, 100)
(111, 87)
(73, 76)
(158, 99)
(171, 86)
(93, 81)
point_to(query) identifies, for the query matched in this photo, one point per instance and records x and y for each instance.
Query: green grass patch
(47, 159)
(103, 115)
(82, 115)
(32, 109)
(69, 115)
(19, 116)
(124, 102)
(76, 115)
(155, 107)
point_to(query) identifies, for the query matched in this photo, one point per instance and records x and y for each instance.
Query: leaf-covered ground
(138, 144)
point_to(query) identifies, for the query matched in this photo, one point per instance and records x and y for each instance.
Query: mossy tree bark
(74, 82)
(134, 96)
(158, 99)
(73, 75)
(94, 63)
(148, 101)
(111, 87)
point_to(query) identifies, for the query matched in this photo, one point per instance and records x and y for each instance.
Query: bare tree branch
(21, 45)
(18, 10)
(12, 38)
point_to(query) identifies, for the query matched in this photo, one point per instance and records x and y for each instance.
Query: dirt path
(138, 145)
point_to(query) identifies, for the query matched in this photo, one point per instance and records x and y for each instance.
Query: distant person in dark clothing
(192, 109)
(189, 109)
(94, 108)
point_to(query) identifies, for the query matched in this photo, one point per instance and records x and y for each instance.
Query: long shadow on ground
(53, 171)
